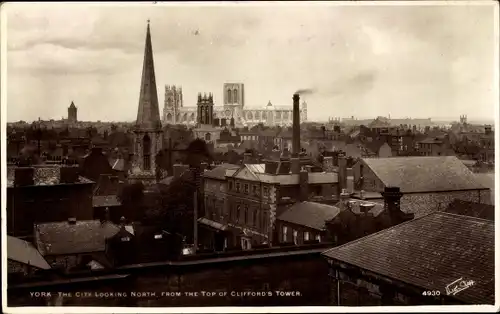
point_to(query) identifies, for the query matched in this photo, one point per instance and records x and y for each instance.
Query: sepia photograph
(249, 156)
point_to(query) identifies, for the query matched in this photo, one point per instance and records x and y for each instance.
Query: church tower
(205, 114)
(72, 113)
(173, 102)
(148, 129)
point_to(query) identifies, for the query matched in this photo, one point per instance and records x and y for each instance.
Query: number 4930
(431, 293)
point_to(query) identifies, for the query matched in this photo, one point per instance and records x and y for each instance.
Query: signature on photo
(458, 285)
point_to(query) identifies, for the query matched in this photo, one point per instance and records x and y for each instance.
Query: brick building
(420, 262)
(428, 183)
(45, 194)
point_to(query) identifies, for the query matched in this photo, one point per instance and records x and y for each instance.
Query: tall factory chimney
(296, 126)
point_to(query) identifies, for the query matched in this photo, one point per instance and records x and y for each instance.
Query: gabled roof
(309, 214)
(64, 238)
(219, 172)
(472, 209)
(24, 252)
(430, 252)
(424, 174)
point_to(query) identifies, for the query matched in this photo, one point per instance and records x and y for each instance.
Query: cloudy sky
(402, 61)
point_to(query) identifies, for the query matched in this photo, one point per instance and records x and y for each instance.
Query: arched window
(146, 152)
(229, 96)
(250, 116)
(235, 95)
(257, 116)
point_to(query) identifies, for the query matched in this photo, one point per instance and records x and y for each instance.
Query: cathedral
(174, 111)
(148, 136)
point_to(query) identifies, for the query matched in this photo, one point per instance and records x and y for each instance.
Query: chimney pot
(72, 221)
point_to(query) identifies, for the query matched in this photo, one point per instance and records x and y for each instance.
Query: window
(295, 234)
(285, 231)
(229, 96)
(246, 188)
(238, 213)
(254, 190)
(125, 239)
(230, 185)
(237, 186)
(235, 96)
(158, 236)
(146, 152)
(266, 191)
(245, 221)
(255, 213)
(306, 236)
(318, 237)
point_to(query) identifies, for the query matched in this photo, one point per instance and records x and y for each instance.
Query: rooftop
(219, 172)
(430, 252)
(43, 175)
(24, 252)
(62, 238)
(424, 174)
(310, 214)
(105, 201)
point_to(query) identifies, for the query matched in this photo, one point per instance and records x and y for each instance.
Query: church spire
(148, 115)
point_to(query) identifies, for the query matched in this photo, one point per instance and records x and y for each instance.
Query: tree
(132, 199)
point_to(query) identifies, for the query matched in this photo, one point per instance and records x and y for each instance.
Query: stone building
(148, 133)
(205, 128)
(420, 262)
(45, 194)
(175, 112)
(72, 113)
(428, 183)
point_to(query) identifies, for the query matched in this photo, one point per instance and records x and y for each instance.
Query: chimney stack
(247, 158)
(72, 221)
(342, 172)
(295, 165)
(296, 126)
(344, 198)
(328, 164)
(303, 185)
(392, 197)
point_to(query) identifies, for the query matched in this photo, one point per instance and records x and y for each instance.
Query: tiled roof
(310, 214)
(105, 201)
(219, 172)
(24, 252)
(424, 174)
(472, 209)
(63, 238)
(43, 175)
(430, 252)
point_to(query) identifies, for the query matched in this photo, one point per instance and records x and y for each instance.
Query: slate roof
(309, 214)
(105, 201)
(219, 172)
(424, 174)
(472, 209)
(44, 175)
(63, 238)
(24, 252)
(430, 252)
(431, 141)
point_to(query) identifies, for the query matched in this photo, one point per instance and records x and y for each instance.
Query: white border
(321, 309)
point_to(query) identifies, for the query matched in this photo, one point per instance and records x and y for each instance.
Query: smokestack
(342, 172)
(296, 126)
(303, 185)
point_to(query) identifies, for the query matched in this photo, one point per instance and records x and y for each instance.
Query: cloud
(360, 60)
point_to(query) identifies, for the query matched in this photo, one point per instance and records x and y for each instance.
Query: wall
(305, 273)
(313, 233)
(38, 204)
(349, 287)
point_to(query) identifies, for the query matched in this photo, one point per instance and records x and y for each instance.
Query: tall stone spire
(148, 115)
